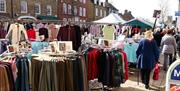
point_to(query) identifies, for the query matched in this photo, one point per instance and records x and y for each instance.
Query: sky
(143, 8)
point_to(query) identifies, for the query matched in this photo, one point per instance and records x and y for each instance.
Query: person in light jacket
(168, 45)
(147, 55)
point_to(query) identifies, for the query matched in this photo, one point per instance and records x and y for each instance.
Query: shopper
(168, 44)
(158, 36)
(177, 37)
(147, 55)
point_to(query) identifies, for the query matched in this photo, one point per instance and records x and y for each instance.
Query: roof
(112, 6)
(139, 22)
(112, 18)
(41, 17)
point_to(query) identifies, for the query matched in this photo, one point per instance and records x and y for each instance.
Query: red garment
(93, 56)
(126, 65)
(31, 34)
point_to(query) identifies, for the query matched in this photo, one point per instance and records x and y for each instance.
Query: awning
(140, 22)
(112, 18)
(26, 17)
(40, 17)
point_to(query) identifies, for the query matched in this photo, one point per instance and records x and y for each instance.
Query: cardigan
(16, 33)
(147, 54)
(168, 44)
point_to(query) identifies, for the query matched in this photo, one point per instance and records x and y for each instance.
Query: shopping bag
(156, 72)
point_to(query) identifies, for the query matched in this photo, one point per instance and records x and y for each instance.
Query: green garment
(108, 32)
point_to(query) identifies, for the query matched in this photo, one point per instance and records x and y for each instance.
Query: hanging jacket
(16, 33)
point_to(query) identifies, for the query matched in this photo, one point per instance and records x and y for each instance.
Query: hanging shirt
(17, 33)
(108, 32)
(31, 34)
(130, 50)
(53, 31)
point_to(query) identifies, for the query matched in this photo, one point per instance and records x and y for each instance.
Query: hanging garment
(70, 33)
(17, 33)
(44, 31)
(31, 33)
(22, 81)
(108, 32)
(3, 32)
(53, 32)
(130, 50)
(95, 30)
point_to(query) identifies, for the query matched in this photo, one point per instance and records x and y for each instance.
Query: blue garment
(22, 80)
(147, 54)
(36, 46)
(130, 50)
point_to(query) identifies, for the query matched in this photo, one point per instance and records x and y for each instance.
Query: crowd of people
(165, 41)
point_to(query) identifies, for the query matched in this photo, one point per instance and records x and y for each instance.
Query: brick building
(73, 10)
(100, 9)
(16, 8)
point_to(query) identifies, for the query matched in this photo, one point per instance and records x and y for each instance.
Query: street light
(12, 12)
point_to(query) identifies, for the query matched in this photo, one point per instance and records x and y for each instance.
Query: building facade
(16, 8)
(72, 10)
(100, 9)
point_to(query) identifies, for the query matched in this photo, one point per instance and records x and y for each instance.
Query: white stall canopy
(112, 18)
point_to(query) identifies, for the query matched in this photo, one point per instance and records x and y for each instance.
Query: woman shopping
(148, 56)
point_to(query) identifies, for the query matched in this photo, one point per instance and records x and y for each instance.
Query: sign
(173, 77)
(177, 13)
(156, 13)
(176, 73)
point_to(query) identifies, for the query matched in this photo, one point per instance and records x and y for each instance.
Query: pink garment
(95, 30)
(118, 44)
(14, 68)
(53, 32)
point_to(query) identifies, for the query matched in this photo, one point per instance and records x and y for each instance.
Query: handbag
(156, 72)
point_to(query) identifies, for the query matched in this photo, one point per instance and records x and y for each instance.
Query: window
(84, 12)
(96, 11)
(84, 20)
(49, 10)
(95, 1)
(84, 1)
(69, 9)
(64, 19)
(104, 13)
(75, 10)
(80, 11)
(80, 0)
(101, 13)
(37, 8)
(23, 6)
(64, 8)
(2, 5)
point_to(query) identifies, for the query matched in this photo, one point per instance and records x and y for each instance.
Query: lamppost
(12, 11)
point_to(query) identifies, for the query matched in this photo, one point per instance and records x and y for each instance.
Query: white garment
(16, 33)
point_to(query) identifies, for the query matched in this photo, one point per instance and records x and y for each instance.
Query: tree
(164, 7)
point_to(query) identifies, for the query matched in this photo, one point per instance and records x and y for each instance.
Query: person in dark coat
(147, 55)
(158, 36)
